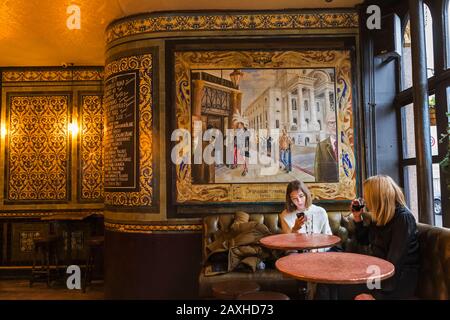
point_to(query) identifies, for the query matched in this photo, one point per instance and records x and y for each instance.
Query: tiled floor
(20, 290)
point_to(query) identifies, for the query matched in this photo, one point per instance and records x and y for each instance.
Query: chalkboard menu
(121, 133)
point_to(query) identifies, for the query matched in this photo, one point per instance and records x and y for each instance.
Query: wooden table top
(334, 267)
(299, 241)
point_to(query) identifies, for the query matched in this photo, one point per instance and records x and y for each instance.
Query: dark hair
(297, 185)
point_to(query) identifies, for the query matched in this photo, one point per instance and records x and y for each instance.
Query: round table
(299, 241)
(335, 267)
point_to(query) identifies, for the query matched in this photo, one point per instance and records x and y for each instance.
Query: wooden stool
(94, 245)
(263, 295)
(47, 248)
(229, 290)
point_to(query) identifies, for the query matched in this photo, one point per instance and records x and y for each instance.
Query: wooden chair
(230, 290)
(263, 295)
(46, 248)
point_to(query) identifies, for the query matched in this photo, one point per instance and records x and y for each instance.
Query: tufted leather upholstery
(434, 278)
(212, 224)
(269, 279)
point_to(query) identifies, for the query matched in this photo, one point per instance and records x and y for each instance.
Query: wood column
(421, 115)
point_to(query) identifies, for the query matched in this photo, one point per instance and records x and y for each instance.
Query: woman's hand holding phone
(357, 209)
(299, 221)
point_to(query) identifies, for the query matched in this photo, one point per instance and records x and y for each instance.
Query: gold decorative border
(24, 214)
(36, 214)
(91, 148)
(144, 197)
(136, 228)
(51, 75)
(345, 189)
(230, 21)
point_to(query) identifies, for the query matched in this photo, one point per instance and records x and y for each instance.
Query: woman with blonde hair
(391, 234)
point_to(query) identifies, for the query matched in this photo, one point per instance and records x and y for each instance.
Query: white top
(317, 215)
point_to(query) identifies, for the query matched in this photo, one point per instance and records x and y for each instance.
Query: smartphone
(300, 214)
(358, 204)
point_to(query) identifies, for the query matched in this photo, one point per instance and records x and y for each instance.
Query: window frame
(437, 85)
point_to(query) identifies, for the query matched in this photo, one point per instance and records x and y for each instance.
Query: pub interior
(124, 175)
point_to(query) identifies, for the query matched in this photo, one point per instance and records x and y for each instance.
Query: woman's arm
(284, 225)
(362, 233)
(285, 228)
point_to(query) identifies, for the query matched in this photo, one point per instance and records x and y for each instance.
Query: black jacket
(396, 242)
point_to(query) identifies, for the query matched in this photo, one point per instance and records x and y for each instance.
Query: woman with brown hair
(301, 215)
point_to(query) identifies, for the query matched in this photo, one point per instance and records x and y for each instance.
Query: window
(409, 146)
(409, 152)
(318, 107)
(438, 104)
(306, 105)
(429, 40)
(295, 120)
(277, 124)
(437, 206)
(407, 117)
(447, 32)
(406, 58)
(433, 125)
(410, 175)
(294, 104)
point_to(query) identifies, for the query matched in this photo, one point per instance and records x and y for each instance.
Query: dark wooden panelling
(152, 266)
(22, 240)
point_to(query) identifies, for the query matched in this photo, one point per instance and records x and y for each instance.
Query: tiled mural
(38, 154)
(91, 115)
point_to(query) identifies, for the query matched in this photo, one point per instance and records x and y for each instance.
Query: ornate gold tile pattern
(144, 197)
(91, 147)
(137, 228)
(38, 151)
(51, 75)
(218, 22)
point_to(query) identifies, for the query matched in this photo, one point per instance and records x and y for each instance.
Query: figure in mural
(285, 151)
(242, 146)
(326, 160)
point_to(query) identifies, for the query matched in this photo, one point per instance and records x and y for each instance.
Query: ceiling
(34, 32)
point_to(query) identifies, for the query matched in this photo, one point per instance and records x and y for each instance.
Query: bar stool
(46, 247)
(94, 246)
(263, 295)
(230, 290)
